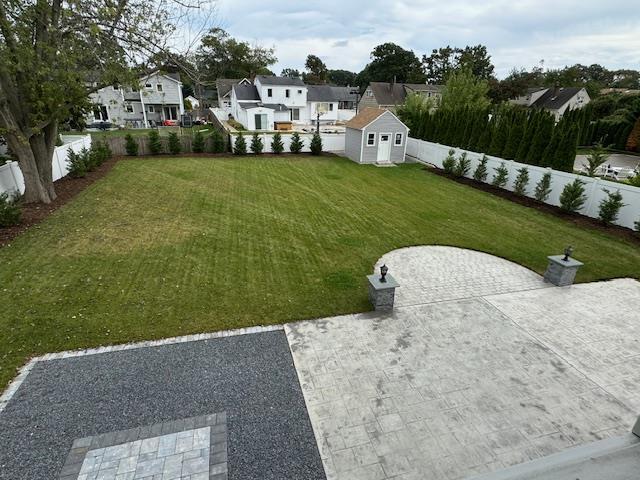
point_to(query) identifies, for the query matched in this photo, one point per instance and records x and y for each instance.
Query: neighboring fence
(435, 153)
(331, 142)
(11, 179)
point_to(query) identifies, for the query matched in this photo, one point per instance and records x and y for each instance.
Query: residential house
(158, 99)
(390, 95)
(376, 135)
(271, 100)
(223, 90)
(556, 100)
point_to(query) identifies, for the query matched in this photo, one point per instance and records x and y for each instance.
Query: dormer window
(269, 92)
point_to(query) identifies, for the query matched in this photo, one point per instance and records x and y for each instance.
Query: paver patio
(450, 389)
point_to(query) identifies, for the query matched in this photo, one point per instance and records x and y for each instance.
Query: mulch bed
(575, 218)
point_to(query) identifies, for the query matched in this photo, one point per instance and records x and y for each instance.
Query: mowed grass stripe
(164, 247)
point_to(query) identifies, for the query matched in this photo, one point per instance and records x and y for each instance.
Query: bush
(155, 144)
(480, 174)
(449, 163)
(463, 166)
(236, 124)
(543, 188)
(277, 146)
(77, 165)
(635, 180)
(521, 182)
(296, 143)
(175, 147)
(9, 210)
(197, 144)
(240, 146)
(103, 151)
(91, 159)
(316, 144)
(217, 142)
(130, 145)
(610, 206)
(501, 176)
(595, 159)
(572, 197)
(256, 144)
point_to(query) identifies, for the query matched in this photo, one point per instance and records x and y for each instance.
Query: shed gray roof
(246, 92)
(555, 98)
(273, 80)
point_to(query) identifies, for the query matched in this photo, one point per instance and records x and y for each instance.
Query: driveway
(616, 160)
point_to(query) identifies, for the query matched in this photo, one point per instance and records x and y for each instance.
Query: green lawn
(164, 247)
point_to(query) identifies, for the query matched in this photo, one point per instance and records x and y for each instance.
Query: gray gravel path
(251, 377)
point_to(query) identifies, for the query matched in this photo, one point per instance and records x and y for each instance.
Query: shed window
(371, 139)
(398, 139)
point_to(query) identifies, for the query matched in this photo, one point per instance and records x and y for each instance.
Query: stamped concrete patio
(505, 370)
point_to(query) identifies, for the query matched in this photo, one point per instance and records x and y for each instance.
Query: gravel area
(251, 377)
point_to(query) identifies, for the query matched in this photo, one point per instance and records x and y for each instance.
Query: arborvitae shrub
(501, 176)
(296, 143)
(277, 146)
(480, 174)
(217, 142)
(463, 165)
(610, 206)
(130, 145)
(521, 181)
(197, 144)
(449, 163)
(77, 167)
(155, 144)
(256, 144)
(572, 197)
(175, 147)
(240, 145)
(316, 144)
(543, 188)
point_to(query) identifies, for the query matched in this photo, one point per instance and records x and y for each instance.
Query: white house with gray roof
(556, 101)
(270, 99)
(158, 99)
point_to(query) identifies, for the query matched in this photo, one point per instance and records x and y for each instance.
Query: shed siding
(385, 124)
(353, 142)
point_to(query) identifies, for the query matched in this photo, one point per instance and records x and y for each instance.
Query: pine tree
(174, 143)
(296, 143)
(516, 132)
(240, 145)
(572, 197)
(256, 144)
(479, 124)
(550, 151)
(500, 135)
(130, 145)
(316, 144)
(155, 144)
(197, 145)
(540, 140)
(566, 153)
(501, 176)
(277, 146)
(531, 126)
(543, 188)
(217, 142)
(521, 181)
(610, 206)
(480, 174)
(485, 137)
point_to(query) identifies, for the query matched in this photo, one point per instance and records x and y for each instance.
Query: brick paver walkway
(450, 389)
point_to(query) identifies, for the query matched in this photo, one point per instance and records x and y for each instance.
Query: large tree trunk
(34, 157)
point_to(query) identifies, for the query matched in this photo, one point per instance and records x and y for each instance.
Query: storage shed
(376, 136)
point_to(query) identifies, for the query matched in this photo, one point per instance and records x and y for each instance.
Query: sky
(517, 33)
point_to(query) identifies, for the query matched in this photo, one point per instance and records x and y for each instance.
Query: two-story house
(389, 95)
(157, 100)
(556, 101)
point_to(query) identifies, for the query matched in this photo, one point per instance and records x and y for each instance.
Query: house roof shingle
(246, 92)
(388, 94)
(365, 117)
(555, 98)
(273, 80)
(224, 85)
(330, 93)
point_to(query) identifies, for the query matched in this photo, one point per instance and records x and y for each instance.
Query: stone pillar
(636, 428)
(382, 294)
(561, 272)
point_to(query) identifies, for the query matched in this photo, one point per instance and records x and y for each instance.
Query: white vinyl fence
(434, 153)
(331, 142)
(11, 179)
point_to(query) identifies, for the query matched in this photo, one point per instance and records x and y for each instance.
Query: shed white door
(384, 147)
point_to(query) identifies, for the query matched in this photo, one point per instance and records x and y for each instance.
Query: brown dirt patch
(574, 218)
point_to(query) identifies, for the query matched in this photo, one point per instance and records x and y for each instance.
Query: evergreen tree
(240, 145)
(296, 143)
(155, 144)
(485, 137)
(610, 206)
(479, 124)
(550, 151)
(530, 129)
(316, 144)
(566, 153)
(449, 163)
(480, 174)
(540, 139)
(500, 135)
(217, 142)
(543, 188)
(572, 197)
(256, 144)
(516, 132)
(174, 143)
(501, 176)
(197, 144)
(130, 145)
(463, 166)
(521, 181)
(277, 146)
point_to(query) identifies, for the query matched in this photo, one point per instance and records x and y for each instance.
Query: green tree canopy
(317, 72)
(446, 60)
(391, 62)
(463, 89)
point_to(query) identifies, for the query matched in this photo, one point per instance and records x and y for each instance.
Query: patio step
(611, 459)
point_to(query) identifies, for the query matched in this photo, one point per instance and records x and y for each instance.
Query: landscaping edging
(577, 219)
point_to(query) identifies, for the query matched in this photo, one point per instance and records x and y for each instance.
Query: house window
(261, 121)
(148, 85)
(151, 109)
(128, 107)
(371, 139)
(369, 93)
(100, 113)
(299, 92)
(286, 93)
(116, 87)
(331, 107)
(269, 92)
(398, 139)
(159, 87)
(295, 114)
